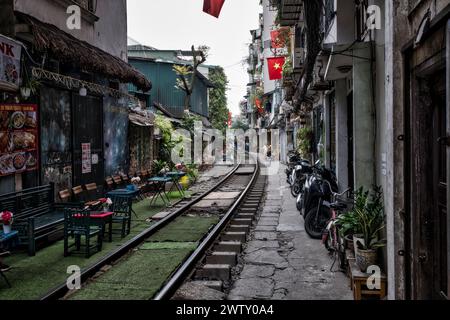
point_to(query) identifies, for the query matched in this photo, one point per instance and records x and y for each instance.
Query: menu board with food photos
(19, 144)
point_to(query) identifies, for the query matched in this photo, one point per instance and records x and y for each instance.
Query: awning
(69, 49)
(142, 118)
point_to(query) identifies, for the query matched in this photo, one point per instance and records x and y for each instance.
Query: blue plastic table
(160, 184)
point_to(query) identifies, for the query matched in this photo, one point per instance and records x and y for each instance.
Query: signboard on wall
(19, 144)
(10, 53)
(86, 160)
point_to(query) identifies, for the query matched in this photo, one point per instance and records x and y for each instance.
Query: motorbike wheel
(296, 188)
(313, 229)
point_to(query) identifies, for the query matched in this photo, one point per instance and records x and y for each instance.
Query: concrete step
(234, 236)
(214, 272)
(228, 246)
(246, 215)
(241, 221)
(219, 257)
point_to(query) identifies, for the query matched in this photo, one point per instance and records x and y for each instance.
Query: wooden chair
(117, 181)
(121, 207)
(78, 194)
(125, 180)
(65, 195)
(109, 184)
(78, 224)
(93, 194)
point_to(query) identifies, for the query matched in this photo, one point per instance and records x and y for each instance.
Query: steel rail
(61, 290)
(176, 280)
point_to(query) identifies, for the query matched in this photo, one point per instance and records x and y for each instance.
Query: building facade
(370, 81)
(78, 77)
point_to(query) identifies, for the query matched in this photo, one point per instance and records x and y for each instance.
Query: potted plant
(105, 203)
(369, 212)
(348, 227)
(6, 218)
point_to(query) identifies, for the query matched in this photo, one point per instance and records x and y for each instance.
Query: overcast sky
(178, 24)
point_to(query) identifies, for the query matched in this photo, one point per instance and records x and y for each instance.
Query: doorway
(87, 125)
(427, 185)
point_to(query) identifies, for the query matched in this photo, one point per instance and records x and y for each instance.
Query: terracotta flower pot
(366, 258)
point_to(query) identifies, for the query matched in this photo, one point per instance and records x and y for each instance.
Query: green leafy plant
(370, 218)
(192, 172)
(304, 138)
(159, 165)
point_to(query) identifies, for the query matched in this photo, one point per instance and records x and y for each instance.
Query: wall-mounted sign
(86, 160)
(18, 138)
(10, 53)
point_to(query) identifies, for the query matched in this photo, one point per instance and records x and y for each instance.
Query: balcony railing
(329, 14)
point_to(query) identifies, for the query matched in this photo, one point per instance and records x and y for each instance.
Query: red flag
(275, 66)
(213, 7)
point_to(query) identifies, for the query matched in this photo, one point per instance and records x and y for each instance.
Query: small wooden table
(359, 283)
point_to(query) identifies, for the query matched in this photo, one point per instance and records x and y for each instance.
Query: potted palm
(369, 211)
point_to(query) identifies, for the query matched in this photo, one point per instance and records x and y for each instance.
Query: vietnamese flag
(213, 7)
(275, 65)
(277, 43)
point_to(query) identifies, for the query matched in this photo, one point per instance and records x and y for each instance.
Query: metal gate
(87, 124)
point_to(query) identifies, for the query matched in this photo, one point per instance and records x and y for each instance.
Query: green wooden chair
(78, 225)
(121, 206)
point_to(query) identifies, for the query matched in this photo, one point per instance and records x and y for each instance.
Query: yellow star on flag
(277, 66)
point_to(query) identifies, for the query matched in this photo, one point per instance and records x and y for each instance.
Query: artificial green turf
(137, 278)
(185, 229)
(32, 277)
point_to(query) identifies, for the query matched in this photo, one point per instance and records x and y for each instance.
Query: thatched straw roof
(69, 49)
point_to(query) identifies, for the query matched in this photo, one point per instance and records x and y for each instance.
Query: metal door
(87, 124)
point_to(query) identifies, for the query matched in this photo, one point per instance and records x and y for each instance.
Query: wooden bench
(36, 214)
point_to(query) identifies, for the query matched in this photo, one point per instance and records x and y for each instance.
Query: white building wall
(109, 33)
(268, 26)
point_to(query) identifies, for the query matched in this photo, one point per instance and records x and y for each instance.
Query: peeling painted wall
(56, 157)
(115, 137)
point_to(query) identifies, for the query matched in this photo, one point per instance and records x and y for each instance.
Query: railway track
(211, 263)
(215, 204)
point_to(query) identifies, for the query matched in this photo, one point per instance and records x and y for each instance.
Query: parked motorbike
(298, 177)
(293, 159)
(319, 187)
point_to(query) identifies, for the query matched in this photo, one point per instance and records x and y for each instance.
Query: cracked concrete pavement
(280, 262)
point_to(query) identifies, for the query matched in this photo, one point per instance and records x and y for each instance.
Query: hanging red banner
(275, 66)
(213, 7)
